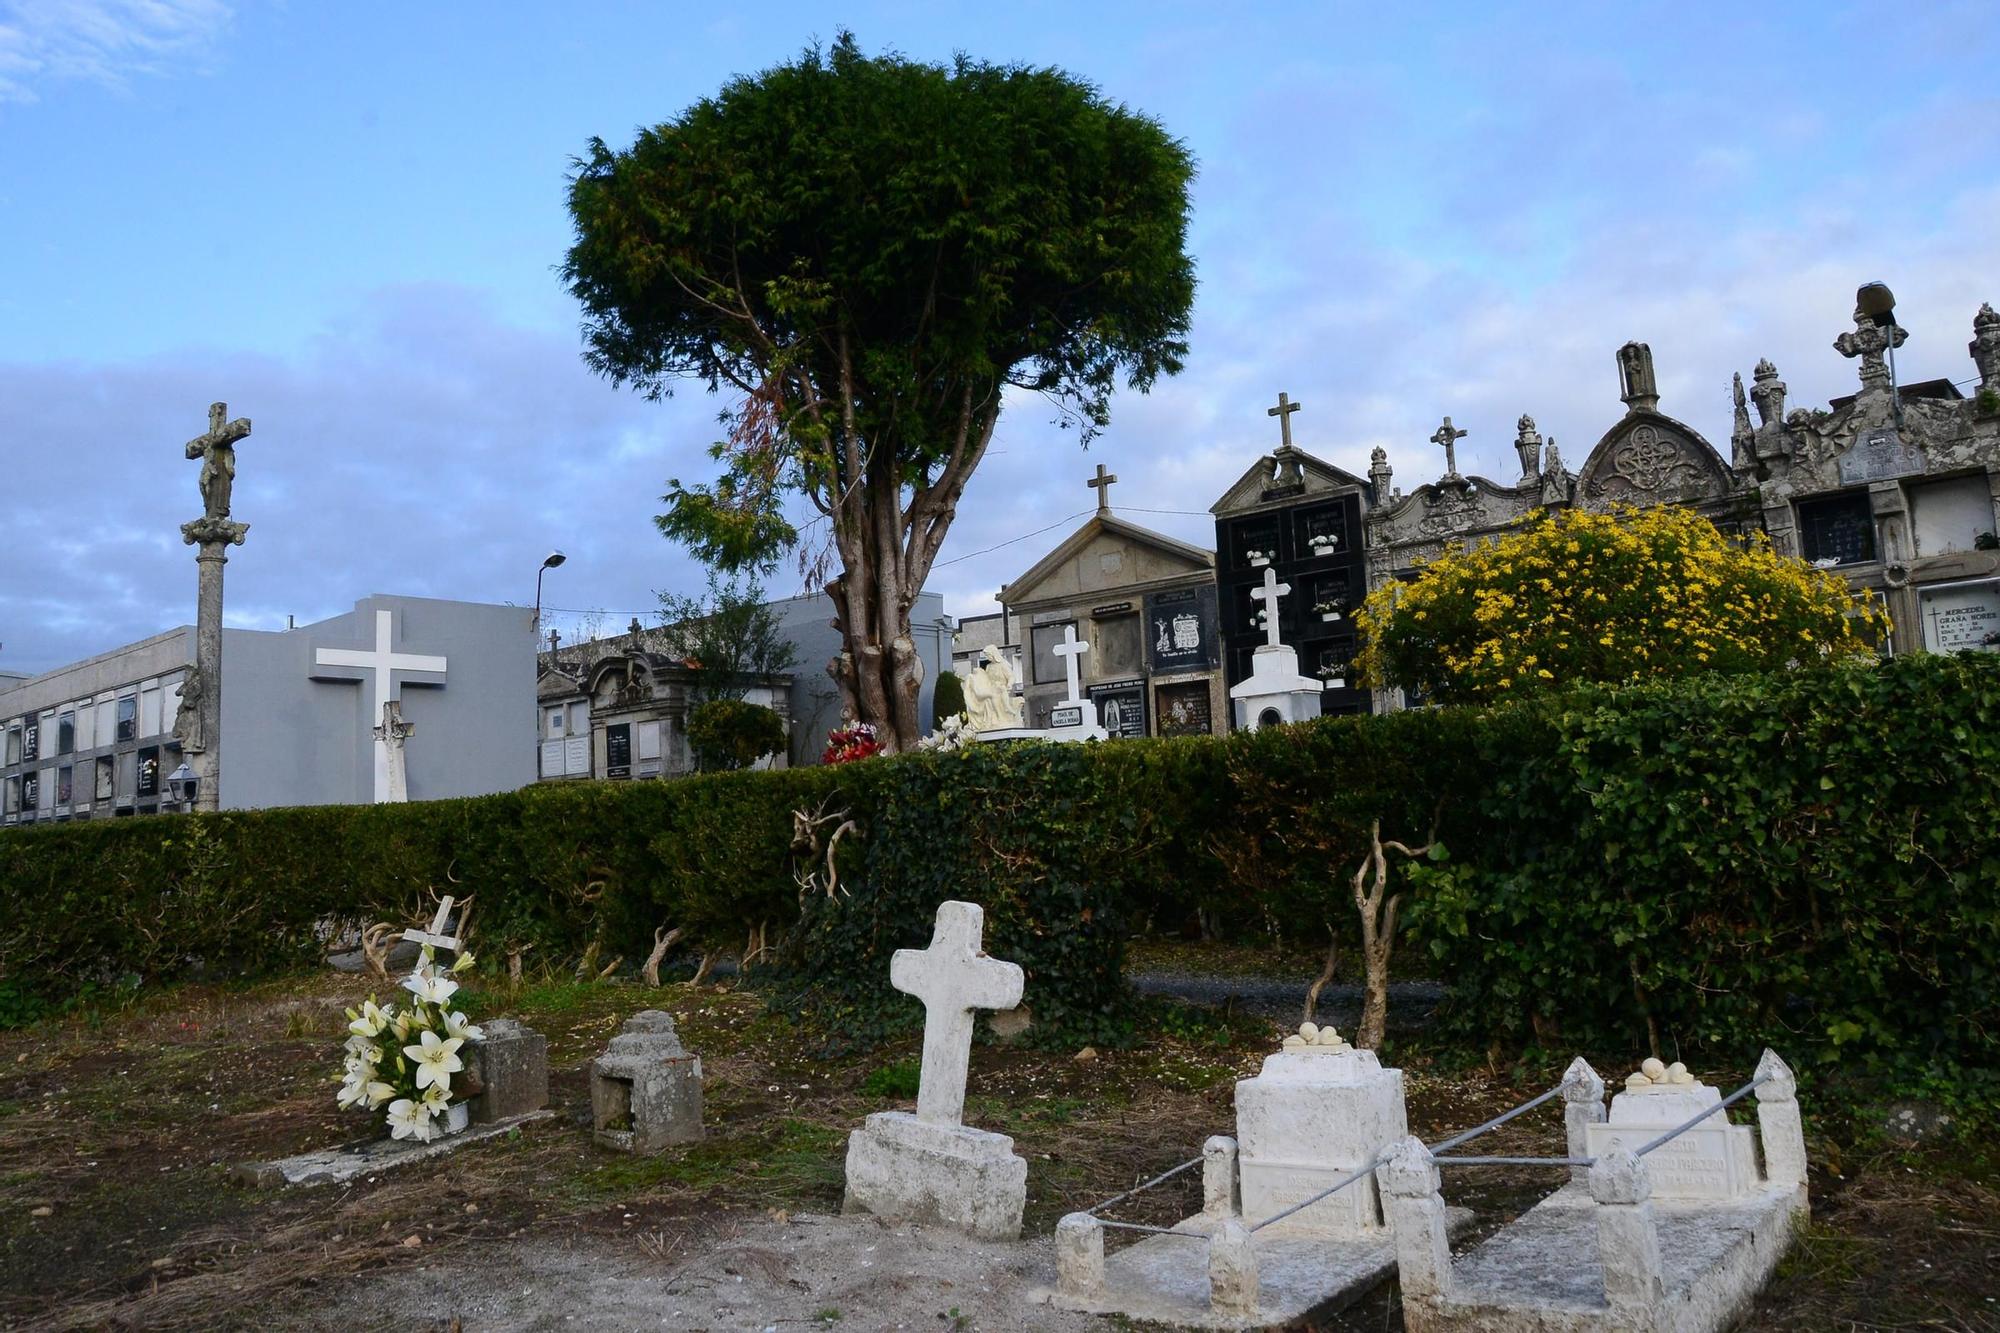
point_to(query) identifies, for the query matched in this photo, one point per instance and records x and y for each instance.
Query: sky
(346, 221)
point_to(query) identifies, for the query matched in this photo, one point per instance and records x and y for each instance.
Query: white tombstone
(1075, 718)
(1714, 1160)
(1318, 1111)
(929, 1167)
(1275, 691)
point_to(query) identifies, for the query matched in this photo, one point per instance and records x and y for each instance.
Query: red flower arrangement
(852, 741)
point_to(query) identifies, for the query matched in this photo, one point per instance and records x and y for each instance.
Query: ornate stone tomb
(1317, 1111)
(1714, 1160)
(929, 1167)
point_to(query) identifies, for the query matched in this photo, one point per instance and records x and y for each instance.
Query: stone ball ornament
(1314, 1038)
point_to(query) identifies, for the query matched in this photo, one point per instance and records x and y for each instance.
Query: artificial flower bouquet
(403, 1059)
(851, 741)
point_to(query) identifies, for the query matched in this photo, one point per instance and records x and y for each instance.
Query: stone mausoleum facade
(300, 707)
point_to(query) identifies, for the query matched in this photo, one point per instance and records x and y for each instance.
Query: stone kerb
(929, 1167)
(645, 1090)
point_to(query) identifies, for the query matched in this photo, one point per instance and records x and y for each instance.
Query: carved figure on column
(213, 533)
(1742, 439)
(1640, 390)
(1555, 481)
(1985, 347)
(187, 716)
(1528, 446)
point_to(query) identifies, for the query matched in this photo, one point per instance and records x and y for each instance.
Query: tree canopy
(865, 253)
(1630, 595)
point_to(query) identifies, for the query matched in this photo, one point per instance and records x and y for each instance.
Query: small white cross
(1269, 595)
(435, 936)
(1069, 650)
(953, 977)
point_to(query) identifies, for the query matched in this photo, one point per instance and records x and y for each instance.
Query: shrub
(728, 734)
(948, 697)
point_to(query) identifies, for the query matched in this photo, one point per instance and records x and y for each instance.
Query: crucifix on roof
(1101, 483)
(1283, 412)
(1449, 436)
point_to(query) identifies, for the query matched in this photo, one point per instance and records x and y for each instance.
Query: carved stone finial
(1639, 389)
(1555, 481)
(1581, 1083)
(1768, 393)
(1619, 1177)
(1985, 347)
(1779, 1085)
(1871, 342)
(1379, 473)
(1742, 439)
(1528, 447)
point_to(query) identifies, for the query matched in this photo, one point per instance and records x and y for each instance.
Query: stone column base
(909, 1170)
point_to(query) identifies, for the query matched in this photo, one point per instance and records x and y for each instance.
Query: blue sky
(345, 220)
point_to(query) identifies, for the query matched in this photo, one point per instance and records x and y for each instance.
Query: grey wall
(290, 739)
(102, 674)
(808, 623)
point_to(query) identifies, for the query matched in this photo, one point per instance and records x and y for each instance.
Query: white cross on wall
(953, 977)
(1069, 650)
(379, 662)
(1269, 595)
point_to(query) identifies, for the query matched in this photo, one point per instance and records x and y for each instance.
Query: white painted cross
(1069, 650)
(1269, 595)
(380, 662)
(435, 936)
(953, 977)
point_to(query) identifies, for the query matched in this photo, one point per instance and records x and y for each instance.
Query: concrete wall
(807, 622)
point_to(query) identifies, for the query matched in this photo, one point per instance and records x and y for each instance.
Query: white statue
(990, 704)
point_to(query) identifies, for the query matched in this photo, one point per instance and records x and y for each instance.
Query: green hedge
(1807, 860)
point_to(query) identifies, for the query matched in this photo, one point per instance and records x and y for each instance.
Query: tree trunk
(1378, 908)
(1325, 976)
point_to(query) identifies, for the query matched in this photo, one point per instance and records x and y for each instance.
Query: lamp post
(549, 562)
(182, 785)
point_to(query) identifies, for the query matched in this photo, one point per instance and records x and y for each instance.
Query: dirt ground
(117, 1209)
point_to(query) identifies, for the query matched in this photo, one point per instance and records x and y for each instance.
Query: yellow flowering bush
(1634, 594)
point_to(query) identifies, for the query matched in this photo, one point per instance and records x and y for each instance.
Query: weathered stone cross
(1269, 595)
(1449, 438)
(1069, 650)
(435, 936)
(1283, 412)
(953, 977)
(1101, 483)
(217, 452)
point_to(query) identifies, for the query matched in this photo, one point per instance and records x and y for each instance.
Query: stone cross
(435, 936)
(380, 662)
(1101, 483)
(953, 977)
(1269, 595)
(1069, 650)
(1871, 343)
(214, 532)
(391, 735)
(1283, 412)
(1448, 436)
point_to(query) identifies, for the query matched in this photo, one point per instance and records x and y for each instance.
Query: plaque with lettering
(1184, 709)
(1181, 630)
(1964, 618)
(1070, 716)
(1880, 454)
(618, 751)
(1121, 707)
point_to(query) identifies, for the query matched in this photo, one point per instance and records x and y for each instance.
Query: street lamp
(182, 784)
(549, 562)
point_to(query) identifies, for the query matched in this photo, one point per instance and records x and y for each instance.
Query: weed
(897, 1080)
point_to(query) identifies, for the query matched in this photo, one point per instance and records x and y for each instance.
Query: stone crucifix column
(213, 532)
(391, 734)
(929, 1167)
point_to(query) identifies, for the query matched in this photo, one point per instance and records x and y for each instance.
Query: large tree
(865, 253)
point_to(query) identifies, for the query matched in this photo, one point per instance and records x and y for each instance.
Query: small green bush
(948, 697)
(728, 734)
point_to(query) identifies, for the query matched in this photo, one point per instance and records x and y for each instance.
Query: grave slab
(337, 1166)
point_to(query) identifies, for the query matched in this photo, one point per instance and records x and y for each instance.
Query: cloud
(106, 42)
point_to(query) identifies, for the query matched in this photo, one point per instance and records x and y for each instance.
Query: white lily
(362, 1088)
(436, 1060)
(437, 1097)
(400, 1026)
(430, 987)
(408, 1119)
(364, 1049)
(371, 1020)
(458, 1025)
(461, 963)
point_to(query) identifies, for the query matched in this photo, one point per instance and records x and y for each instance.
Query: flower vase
(456, 1117)
(1330, 617)
(1259, 561)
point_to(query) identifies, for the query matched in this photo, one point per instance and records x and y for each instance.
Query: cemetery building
(301, 708)
(1897, 488)
(1302, 518)
(617, 708)
(1144, 603)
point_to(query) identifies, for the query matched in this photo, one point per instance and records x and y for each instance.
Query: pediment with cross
(1273, 478)
(1649, 458)
(1105, 554)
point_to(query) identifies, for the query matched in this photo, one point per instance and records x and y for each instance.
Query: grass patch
(791, 1162)
(896, 1080)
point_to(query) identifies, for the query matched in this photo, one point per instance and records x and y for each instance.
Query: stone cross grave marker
(952, 977)
(435, 936)
(1283, 412)
(1101, 483)
(1449, 436)
(1069, 650)
(392, 733)
(380, 663)
(1268, 595)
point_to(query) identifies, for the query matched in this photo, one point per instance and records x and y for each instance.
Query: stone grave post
(930, 1167)
(1583, 1106)
(1415, 1211)
(1628, 1237)
(214, 532)
(1778, 1123)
